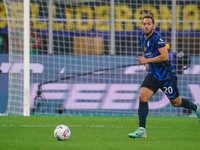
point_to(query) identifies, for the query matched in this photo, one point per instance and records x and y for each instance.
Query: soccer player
(160, 75)
(35, 41)
(3, 45)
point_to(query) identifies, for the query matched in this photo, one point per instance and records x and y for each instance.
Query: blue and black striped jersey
(161, 70)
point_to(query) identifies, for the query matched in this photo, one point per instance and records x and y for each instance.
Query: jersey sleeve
(160, 42)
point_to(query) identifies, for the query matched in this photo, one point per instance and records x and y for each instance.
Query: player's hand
(141, 60)
(147, 67)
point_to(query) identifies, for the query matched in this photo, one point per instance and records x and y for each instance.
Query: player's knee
(142, 98)
(176, 104)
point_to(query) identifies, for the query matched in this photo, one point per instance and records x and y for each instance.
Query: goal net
(83, 55)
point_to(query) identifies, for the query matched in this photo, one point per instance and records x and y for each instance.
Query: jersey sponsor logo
(149, 55)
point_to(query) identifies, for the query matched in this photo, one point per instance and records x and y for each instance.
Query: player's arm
(161, 58)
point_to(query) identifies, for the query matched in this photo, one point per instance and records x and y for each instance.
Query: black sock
(142, 113)
(187, 104)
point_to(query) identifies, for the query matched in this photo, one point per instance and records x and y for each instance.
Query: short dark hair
(148, 16)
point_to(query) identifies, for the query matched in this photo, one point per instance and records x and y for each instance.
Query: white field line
(44, 126)
(104, 126)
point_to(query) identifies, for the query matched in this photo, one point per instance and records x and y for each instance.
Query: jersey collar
(148, 37)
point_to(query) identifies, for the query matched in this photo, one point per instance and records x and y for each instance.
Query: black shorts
(169, 86)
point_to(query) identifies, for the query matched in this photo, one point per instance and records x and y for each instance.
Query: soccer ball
(62, 133)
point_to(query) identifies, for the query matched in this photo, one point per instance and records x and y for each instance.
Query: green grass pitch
(98, 133)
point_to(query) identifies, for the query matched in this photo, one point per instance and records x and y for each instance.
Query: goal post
(19, 83)
(81, 55)
(26, 89)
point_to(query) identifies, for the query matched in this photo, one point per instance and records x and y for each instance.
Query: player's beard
(148, 33)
